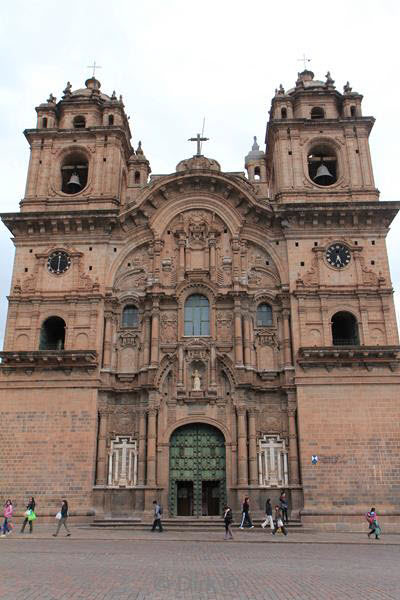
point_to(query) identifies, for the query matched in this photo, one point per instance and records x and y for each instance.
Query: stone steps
(177, 524)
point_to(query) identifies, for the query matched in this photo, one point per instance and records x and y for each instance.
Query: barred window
(272, 461)
(122, 462)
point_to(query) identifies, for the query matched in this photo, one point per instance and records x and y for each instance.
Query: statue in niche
(196, 381)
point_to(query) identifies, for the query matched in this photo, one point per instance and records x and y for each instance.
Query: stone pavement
(96, 564)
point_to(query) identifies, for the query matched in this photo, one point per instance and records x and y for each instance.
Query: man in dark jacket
(157, 516)
(268, 515)
(245, 514)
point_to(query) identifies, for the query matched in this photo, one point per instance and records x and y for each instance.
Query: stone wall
(354, 429)
(47, 446)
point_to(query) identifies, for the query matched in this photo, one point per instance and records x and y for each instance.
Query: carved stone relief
(169, 327)
(224, 326)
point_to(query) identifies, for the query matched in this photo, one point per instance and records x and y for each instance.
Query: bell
(322, 172)
(74, 184)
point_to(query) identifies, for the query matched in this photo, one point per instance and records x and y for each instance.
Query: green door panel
(197, 455)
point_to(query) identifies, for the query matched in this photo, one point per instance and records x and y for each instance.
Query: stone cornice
(331, 357)
(65, 360)
(45, 223)
(335, 215)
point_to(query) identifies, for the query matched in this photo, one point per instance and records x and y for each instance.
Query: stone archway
(197, 471)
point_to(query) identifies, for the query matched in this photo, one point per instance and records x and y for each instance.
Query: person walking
(30, 508)
(268, 515)
(8, 510)
(245, 513)
(157, 516)
(228, 518)
(62, 517)
(279, 521)
(373, 523)
(283, 503)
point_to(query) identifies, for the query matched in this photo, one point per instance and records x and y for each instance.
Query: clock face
(58, 262)
(338, 256)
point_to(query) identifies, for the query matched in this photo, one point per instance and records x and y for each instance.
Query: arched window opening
(52, 334)
(352, 111)
(137, 177)
(79, 122)
(322, 165)
(74, 173)
(264, 315)
(111, 119)
(344, 329)
(317, 113)
(44, 122)
(130, 316)
(284, 113)
(197, 315)
(257, 174)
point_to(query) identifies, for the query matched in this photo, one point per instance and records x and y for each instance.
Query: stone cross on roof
(198, 139)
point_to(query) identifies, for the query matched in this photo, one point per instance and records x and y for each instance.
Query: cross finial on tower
(304, 60)
(94, 67)
(198, 139)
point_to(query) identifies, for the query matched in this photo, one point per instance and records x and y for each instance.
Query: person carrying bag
(30, 515)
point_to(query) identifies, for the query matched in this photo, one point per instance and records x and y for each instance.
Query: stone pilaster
(242, 446)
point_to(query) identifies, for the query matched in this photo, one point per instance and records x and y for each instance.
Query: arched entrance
(197, 465)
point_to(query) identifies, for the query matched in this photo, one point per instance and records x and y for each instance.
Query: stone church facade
(203, 335)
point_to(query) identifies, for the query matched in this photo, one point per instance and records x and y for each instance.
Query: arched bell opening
(322, 165)
(52, 334)
(79, 122)
(344, 329)
(74, 173)
(317, 112)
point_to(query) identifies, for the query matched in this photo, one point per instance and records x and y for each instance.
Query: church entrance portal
(197, 480)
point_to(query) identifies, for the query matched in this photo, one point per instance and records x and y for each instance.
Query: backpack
(160, 510)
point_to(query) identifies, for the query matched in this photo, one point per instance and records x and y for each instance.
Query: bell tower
(79, 152)
(317, 143)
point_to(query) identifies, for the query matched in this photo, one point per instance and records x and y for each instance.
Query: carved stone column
(107, 341)
(287, 349)
(247, 340)
(155, 335)
(242, 446)
(253, 447)
(142, 447)
(151, 446)
(238, 334)
(293, 452)
(212, 244)
(102, 462)
(181, 269)
(146, 345)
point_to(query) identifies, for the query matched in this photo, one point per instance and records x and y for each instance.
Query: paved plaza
(126, 565)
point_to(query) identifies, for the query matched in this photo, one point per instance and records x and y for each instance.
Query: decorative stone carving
(169, 327)
(224, 326)
(267, 337)
(128, 339)
(270, 423)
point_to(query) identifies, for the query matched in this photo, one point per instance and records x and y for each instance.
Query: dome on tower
(255, 152)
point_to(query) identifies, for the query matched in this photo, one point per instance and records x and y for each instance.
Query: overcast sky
(176, 61)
